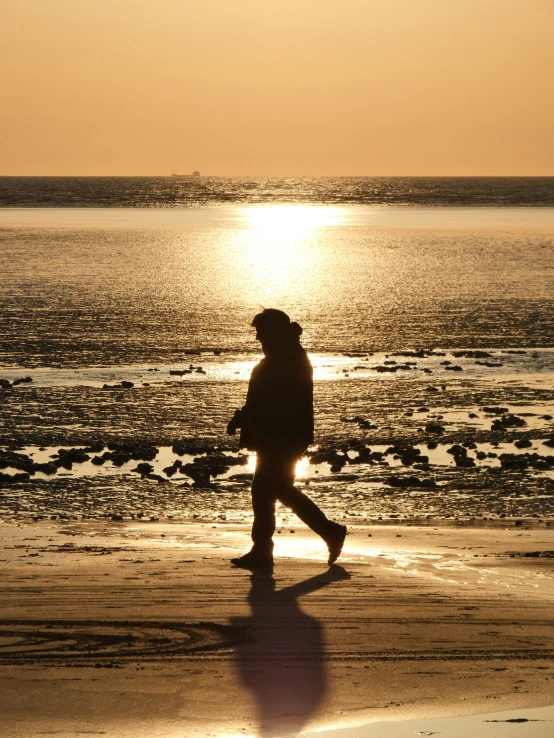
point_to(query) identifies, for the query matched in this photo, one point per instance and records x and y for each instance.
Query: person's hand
(234, 424)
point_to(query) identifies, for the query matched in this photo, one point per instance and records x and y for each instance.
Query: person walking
(277, 423)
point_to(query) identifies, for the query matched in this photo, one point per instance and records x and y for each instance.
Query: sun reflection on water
(291, 220)
(282, 253)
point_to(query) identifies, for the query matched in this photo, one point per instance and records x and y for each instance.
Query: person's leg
(264, 487)
(309, 513)
(306, 509)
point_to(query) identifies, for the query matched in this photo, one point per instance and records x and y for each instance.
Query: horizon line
(288, 176)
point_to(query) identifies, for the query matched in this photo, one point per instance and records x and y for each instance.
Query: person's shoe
(335, 542)
(253, 560)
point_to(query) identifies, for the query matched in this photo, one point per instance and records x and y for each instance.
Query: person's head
(275, 331)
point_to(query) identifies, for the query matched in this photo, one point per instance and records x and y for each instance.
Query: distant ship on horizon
(195, 175)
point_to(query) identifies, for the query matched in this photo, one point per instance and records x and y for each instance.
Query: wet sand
(131, 629)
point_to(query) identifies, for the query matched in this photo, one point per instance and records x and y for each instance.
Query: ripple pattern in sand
(107, 643)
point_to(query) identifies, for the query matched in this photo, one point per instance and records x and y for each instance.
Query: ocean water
(93, 295)
(84, 287)
(195, 192)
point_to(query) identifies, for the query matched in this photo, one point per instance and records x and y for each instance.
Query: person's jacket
(278, 414)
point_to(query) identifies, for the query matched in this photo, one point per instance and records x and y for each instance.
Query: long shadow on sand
(283, 665)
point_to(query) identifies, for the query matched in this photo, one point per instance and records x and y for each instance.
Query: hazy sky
(277, 87)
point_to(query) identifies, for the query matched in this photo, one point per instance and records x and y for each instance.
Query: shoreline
(536, 721)
(129, 628)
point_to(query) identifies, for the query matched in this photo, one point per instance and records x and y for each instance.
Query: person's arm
(239, 417)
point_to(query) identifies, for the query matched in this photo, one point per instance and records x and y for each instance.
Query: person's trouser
(274, 480)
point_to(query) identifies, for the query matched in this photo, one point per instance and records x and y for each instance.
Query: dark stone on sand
(94, 448)
(514, 461)
(454, 368)
(117, 516)
(412, 455)
(495, 410)
(170, 470)
(73, 455)
(432, 445)
(549, 442)
(185, 447)
(144, 452)
(471, 354)
(211, 465)
(119, 458)
(13, 478)
(98, 460)
(382, 369)
(523, 443)
(126, 384)
(5, 383)
(524, 461)
(364, 456)
(12, 459)
(431, 389)
(508, 421)
(144, 468)
(329, 456)
(461, 458)
(121, 453)
(46, 468)
(23, 380)
(435, 428)
(200, 476)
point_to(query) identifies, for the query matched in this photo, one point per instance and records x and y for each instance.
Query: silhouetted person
(277, 423)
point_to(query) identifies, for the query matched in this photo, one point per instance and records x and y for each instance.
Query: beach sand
(145, 629)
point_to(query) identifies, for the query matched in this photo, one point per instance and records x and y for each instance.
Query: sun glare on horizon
(290, 221)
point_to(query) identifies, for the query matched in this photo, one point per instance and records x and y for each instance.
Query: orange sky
(277, 87)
